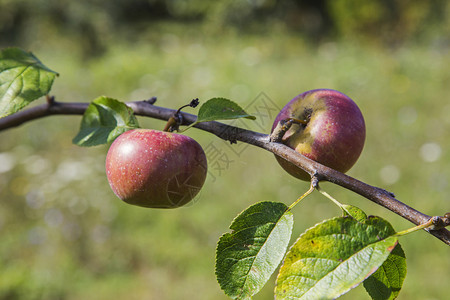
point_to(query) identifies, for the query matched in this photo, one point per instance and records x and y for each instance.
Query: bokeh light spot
(430, 152)
(390, 174)
(7, 162)
(407, 115)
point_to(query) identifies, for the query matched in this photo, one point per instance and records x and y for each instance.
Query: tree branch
(234, 134)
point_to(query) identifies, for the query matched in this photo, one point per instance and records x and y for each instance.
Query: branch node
(315, 181)
(277, 134)
(174, 122)
(390, 193)
(439, 222)
(151, 101)
(283, 126)
(446, 219)
(230, 134)
(383, 191)
(50, 100)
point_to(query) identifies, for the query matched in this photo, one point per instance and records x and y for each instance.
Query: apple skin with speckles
(333, 136)
(156, 169)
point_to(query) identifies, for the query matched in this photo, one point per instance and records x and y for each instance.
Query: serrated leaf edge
(37, 63)
(91, 129)
(246, 115)
(253, 256)
(322, 222)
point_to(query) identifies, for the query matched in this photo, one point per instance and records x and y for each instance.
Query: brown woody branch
(234, 134)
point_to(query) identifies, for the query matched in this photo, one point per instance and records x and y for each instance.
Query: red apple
(334, 134)
(156, 169)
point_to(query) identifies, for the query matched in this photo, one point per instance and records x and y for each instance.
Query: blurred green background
(64, 235)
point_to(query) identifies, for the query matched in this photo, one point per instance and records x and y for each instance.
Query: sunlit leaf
(23, 79)
(103, 121)
(248, 255)
(354, 212)
(386, 282)
(333, 257)
(221, 109)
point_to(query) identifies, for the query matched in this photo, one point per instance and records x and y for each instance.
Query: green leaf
(23, 79)
(387, 281)
(354, 212)
(221, 109)
(333, 257)
(104, 120)
(247, 256)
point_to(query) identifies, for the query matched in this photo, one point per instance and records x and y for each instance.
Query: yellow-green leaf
(23, 79)
(104, 120)
(333, 257)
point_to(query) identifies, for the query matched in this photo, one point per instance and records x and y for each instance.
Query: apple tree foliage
(326, 261)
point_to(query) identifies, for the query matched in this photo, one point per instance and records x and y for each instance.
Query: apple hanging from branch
(330, 129)
(156, 169)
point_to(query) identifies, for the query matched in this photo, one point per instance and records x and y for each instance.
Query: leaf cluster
(325, 262)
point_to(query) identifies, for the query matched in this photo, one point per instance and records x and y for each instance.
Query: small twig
(50, 100)
(174, 122)
(231, 133)
(151, 100)
(440, 222)
(282, 127)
